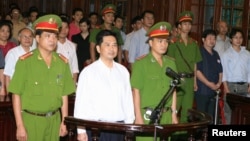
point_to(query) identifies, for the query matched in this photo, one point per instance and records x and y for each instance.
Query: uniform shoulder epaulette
(98, 27)
(26, 55)
(141, 57)
(192, 39)
(173, 40)
(65, 60)
(168, 57)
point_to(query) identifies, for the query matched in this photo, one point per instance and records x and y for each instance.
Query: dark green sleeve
(119, 36)
(171, 50)
(137, 75)
(92, 36)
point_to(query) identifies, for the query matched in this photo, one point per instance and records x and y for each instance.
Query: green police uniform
(109, 8)
(41, 88)
(149, 77)
(152, 82)
(191, 53)
(185, 93)
(95, 31)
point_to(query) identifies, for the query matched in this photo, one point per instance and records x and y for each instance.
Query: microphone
(173, 74)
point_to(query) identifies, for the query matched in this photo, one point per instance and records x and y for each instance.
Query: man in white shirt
(222, 44)
(222, 40)
(25, 37)
(104, 91)
(67, 48)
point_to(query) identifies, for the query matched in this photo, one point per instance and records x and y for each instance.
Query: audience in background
(138, 45)
(67, 48)
(136, 24)
(82, 41)
(94, 22)
(16, 20)
(74, 28)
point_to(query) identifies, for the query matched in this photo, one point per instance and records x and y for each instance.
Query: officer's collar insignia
(153, 60)
(39, 57)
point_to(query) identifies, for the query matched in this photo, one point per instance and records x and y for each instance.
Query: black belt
(49, 114)
(186, 75)
(238, 83)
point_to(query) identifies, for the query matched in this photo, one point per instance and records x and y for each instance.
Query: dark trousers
(107, 136)
(206, 104)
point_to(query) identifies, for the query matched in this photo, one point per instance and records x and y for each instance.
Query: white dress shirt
(104, 94)
(68, 49)
(12, 57)
(221, 46)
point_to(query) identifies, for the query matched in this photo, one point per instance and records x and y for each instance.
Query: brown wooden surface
(7, 120)
(240, 106)
(199, 121)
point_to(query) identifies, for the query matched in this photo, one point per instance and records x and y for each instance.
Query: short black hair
(15, 8)
(93, 13)
(118, 17)
(208, 32)
(33, 9)
(234, 32)
(103, 33)
(86, 20)
(147, 11)
(135, 19)
(76, 10)
(7, 23)
(64, 18)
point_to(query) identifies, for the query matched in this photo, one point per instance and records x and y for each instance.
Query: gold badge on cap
(163, 27)
(52, 21)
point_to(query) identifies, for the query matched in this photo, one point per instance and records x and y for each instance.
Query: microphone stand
(156, 113)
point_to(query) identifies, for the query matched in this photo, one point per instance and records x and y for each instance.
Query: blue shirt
(210, 67)
(138, 45)
(236, 65)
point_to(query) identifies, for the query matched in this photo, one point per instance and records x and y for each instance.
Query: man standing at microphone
(149, 81)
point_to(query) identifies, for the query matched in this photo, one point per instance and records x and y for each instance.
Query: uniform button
(36, 83)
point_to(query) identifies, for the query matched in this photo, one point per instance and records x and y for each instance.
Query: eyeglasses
(26, 37)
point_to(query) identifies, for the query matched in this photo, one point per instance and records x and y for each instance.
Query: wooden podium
(198, 121)
(240, 106)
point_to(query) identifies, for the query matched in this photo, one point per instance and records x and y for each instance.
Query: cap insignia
(163, 27)
(52, 21)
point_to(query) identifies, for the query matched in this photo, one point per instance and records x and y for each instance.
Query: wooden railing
(198, 121)
(7, 122)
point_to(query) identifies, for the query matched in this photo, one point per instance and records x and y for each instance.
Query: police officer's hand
(63, 130)
(82, 137)
(21, 134)
(139, 120)
(174, 118)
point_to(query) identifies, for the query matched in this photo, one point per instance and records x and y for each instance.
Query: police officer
(108, 13)
(186, 52)
(40, 86)
(148, 80)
